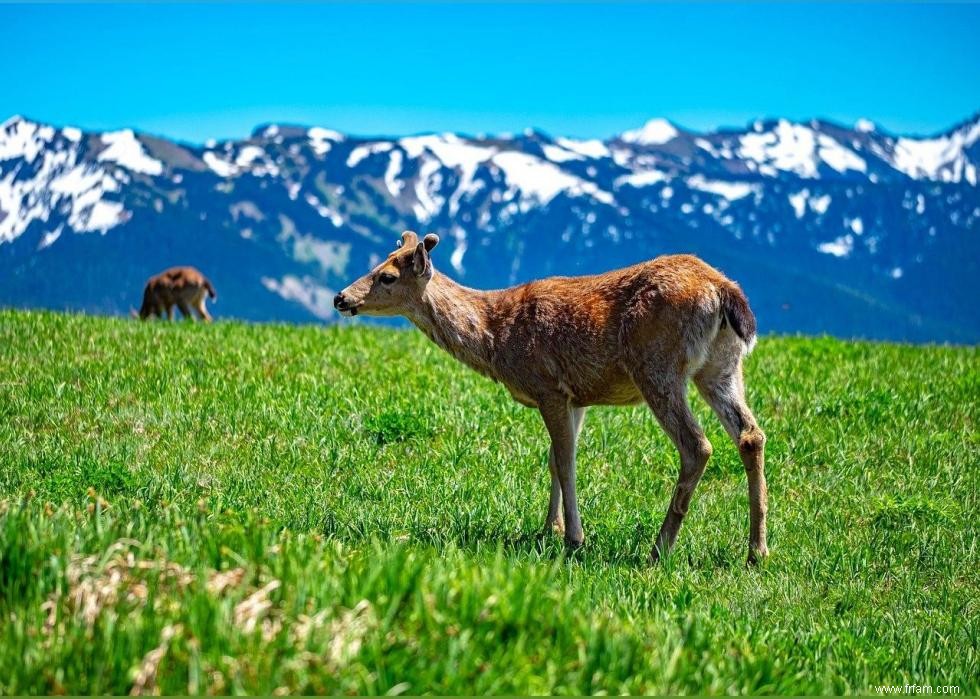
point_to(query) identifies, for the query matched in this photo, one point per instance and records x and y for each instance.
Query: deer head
(394, 286)
(148, 307)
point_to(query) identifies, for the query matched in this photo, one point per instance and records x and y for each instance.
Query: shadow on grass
(633, 553)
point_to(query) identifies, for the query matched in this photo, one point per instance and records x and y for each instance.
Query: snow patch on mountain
(322, 140)
(838, 157)
(368, 149)
(798, 149)
(20, 138)
(452, 152)
(450, 149)
(724, 151)
(732, 191)
(864, 126)
(540, 181)
(331, 256)
(50, 237)
(820, 204)
(17, 210)
(123, 148)
(251, 159)
(559, 155)
(315, 298)
(428, 200)
(655, 132)
(392, 182)
(456, 258)
(325, 211)
(57, 184)
(641, 179)
(592, 148)
(802, 200)
(537, 180)
(220, 167)
(84, 187)
(798, 202)
(841, 247)
(100, 216)
(248, 155)
(943, 158)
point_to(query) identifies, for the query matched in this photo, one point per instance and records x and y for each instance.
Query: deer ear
(420, 260)
(430, 241)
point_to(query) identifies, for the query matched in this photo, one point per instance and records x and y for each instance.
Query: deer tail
(736, 311)
(210, 289)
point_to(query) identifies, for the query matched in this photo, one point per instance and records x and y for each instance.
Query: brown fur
(566, 343)
(183, 287)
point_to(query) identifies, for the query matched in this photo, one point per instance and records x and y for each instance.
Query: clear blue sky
(195, 72)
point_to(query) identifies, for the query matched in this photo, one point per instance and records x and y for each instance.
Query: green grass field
(242, 508)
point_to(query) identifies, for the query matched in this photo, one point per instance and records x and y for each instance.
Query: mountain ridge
(845, 230)
(256, 131)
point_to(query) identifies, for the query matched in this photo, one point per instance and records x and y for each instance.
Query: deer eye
(387, 279)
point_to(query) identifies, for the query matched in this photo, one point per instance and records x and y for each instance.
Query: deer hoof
(655, 556)
(757, 555)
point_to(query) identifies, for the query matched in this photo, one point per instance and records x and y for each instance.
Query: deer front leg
(554, 520)
(560, 421)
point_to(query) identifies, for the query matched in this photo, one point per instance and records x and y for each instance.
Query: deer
(564, 344)
(183, 287)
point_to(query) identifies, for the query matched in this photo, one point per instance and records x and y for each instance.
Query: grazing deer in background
(183, 287)
(565, 343)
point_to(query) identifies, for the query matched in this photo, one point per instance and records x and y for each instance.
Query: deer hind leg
(720, 382)
(667, 399)
(555, 521)
(201, 308)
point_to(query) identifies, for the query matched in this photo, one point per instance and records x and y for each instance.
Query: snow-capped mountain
(847, 230)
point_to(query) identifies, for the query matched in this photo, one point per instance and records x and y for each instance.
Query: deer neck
(457, 319)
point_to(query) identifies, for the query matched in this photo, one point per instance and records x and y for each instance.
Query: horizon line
(527, 131)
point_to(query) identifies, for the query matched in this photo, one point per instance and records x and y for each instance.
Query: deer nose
(338, 301)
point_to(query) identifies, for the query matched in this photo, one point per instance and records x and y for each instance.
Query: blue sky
(196, 72)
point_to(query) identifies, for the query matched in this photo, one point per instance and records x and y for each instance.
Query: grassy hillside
(254, 509)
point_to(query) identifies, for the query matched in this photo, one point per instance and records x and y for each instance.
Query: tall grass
(240, 508)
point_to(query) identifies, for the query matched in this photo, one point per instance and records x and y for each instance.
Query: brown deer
(183, 287)
(565, 343)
